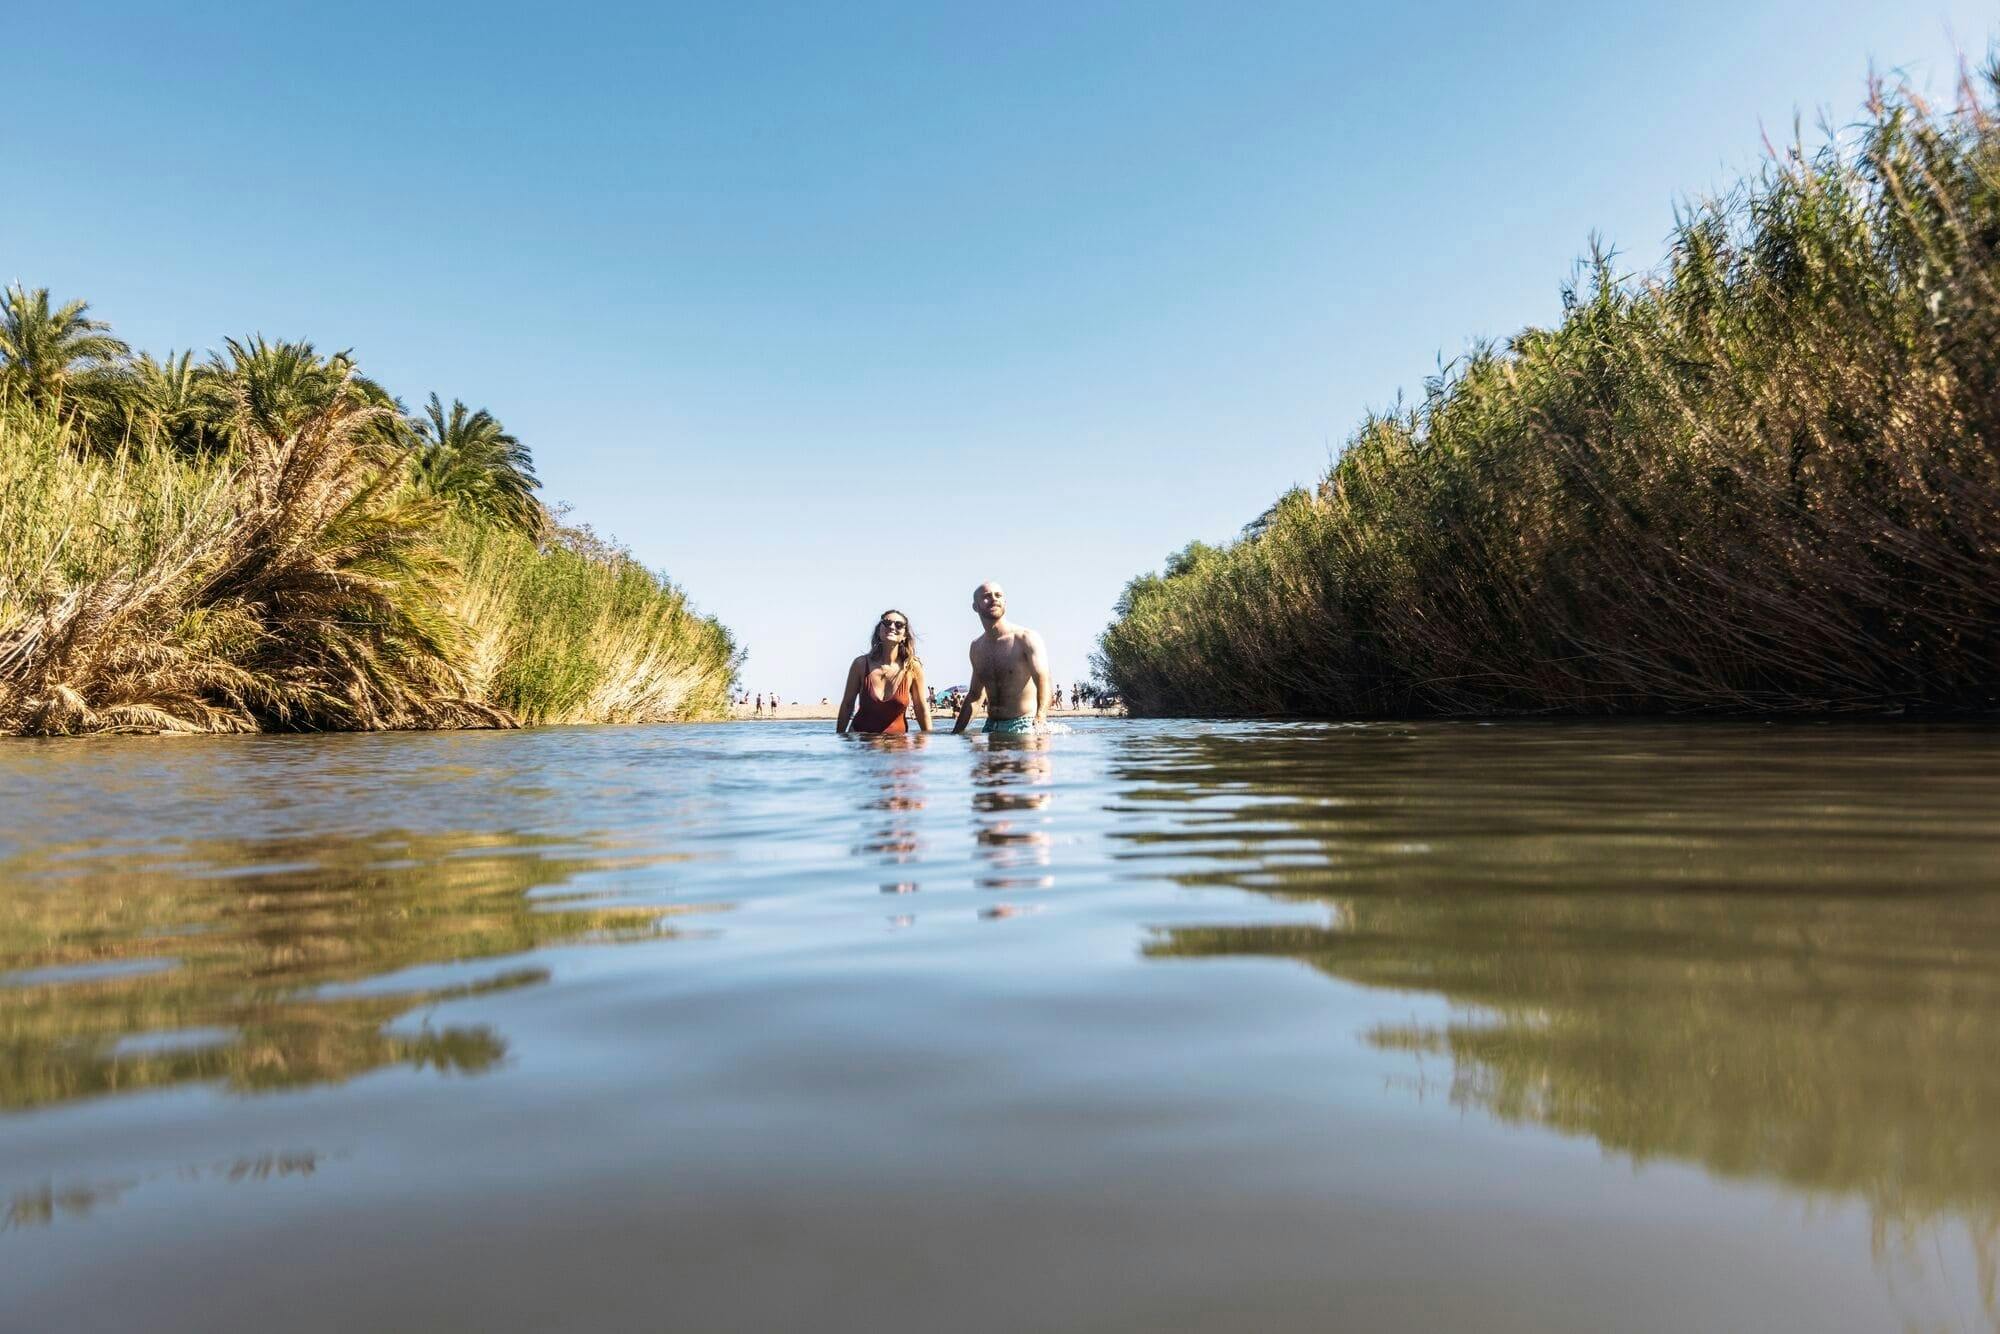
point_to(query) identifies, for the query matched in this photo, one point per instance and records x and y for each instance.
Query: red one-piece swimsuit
(884, 716)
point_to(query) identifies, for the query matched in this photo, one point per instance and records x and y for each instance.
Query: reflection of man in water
(1010, 804)
(1009, 667)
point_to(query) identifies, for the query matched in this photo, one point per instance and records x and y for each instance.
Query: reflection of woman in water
(885, 682)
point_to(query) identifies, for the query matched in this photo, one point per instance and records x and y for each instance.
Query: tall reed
(573, 629)
(1765, 477)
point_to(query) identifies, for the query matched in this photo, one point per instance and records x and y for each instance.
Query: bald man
(1010, 668)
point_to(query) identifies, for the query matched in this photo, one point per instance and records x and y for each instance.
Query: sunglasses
(888, 624)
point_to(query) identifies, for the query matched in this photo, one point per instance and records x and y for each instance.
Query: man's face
(990, 601)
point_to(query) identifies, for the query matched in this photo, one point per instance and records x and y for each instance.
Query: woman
(885, 682)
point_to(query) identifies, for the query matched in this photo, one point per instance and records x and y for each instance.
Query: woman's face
(892, 629)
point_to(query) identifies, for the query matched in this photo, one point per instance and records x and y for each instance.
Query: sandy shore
(828, 712)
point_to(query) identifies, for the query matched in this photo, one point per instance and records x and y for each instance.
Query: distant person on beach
(886, 682)
(1010, 669)
(760, 706)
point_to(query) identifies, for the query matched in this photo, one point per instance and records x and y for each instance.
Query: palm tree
(277, 385)
(466, 459)
(274, 387)
(52, 354)
(187, 405)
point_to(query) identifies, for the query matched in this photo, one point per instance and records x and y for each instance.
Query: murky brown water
(1146, 1026)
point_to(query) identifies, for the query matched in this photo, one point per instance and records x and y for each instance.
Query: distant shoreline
(789, 713)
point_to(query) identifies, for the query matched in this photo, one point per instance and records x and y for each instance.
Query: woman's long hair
(908, 648)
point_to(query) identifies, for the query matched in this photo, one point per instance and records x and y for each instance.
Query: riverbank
(1761, 478)
(269, 543)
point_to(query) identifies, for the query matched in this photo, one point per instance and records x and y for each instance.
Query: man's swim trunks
(1010, 726)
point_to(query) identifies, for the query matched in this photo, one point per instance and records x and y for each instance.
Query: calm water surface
(1144, 1026)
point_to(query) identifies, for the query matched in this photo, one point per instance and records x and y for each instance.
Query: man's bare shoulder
(1022, 641)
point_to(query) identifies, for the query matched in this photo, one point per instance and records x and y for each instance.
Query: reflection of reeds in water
(1754, 974)
(251, 949)
(1845, 1048)
(1838, 1048)
(40, 1206)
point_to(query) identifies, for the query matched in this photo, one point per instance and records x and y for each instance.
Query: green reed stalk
(573, 630)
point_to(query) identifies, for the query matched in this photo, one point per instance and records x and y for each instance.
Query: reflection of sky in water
(1234, 1025)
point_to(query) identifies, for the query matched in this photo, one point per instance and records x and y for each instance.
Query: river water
(1142, 1026)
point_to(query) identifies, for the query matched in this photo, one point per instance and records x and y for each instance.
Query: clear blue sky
(827, 307)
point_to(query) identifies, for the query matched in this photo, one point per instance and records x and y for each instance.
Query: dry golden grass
(292, 582)
(279, 585)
